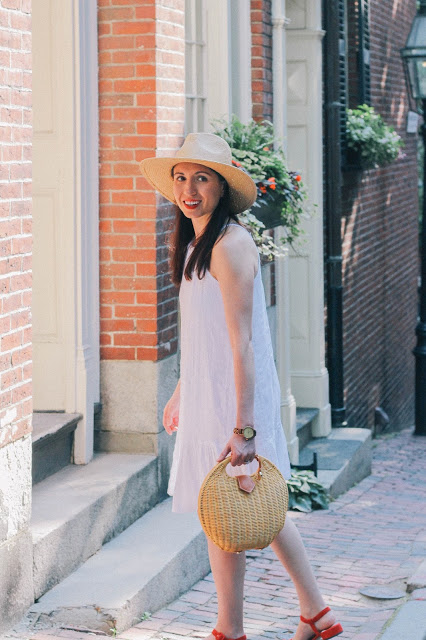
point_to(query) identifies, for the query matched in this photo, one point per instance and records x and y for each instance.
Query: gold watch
(248, 432)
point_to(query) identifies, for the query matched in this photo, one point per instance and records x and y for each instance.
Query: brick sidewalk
(373, 534)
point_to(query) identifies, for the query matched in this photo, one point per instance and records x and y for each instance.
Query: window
(343, 72)
(195, 66)
(354, 60)
(217, 61)
(358, 53)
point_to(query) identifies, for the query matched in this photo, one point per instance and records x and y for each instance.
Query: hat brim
(242, 188)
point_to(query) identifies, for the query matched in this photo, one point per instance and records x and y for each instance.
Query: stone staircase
(81, 507)
(148, 565)
(107, 547)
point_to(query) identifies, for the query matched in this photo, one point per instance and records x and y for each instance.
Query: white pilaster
(304, 71)
(288, 403)
(87, 365)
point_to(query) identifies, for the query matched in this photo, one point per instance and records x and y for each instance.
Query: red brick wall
(141, 89)
(15, 220)
(380, 256)
(261, 59)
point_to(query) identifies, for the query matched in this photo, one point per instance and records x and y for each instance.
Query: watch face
(248, 432)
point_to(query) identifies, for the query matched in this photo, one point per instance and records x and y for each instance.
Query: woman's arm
(234, 263)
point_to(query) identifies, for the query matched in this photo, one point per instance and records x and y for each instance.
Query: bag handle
(257, 473)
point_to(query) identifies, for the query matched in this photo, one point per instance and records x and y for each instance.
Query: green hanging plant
(373, 142)
(305, 492)
(280, 193)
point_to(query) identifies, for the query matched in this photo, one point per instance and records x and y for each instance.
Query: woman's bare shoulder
(236, 248)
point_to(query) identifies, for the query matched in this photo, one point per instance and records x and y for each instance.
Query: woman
(227, 400)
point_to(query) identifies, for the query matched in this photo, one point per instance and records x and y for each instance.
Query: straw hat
(211, 151)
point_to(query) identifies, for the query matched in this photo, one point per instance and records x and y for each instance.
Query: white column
(304, 71)
(288, 403)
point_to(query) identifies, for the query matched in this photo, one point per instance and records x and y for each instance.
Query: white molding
(87, 365)
(309, 374)
(288, 403)
(307, 33)
(279, 79)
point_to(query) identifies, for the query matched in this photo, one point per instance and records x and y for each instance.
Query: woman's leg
(290, 550)
(228, 572)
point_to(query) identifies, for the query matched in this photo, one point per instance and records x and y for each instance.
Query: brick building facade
(15, 206)
(141, 88)
(15, 306)
(261, 59)
(380, 239)
(130, 361)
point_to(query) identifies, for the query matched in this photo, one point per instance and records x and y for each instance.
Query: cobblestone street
(375, 534)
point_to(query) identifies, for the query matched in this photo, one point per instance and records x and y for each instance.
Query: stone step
(52, 442)
(304, 421)
(155, 560)
(78, 509)
(344, 458)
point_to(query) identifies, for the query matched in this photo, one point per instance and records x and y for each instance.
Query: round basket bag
(236, 520)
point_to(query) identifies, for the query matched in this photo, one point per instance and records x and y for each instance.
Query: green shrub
(305, 492)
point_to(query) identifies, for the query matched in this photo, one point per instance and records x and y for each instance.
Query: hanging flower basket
(281, 195)
(274, 207)
(371, 142)
(353, 160)
(269, 212)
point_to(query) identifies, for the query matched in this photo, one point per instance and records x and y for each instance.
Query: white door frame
(87, 357)
(66, 214)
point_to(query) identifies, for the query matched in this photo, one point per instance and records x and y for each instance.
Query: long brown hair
(183, 233)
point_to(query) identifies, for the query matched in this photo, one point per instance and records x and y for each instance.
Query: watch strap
(240, 432)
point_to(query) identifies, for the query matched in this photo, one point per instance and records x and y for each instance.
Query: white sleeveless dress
(207, 412)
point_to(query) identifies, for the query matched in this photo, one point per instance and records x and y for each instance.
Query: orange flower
(262, 188)
(298, 178)
(237, 164)
(271, 179)
(272, 185)
(266, 148)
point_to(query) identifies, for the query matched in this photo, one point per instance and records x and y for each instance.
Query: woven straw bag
(236, 520)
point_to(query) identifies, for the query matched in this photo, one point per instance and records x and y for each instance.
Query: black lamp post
(414, 59)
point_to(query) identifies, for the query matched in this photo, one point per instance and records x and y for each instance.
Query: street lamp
(414, 59)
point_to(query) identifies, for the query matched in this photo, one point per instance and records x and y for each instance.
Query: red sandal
(220, 636)
(331, 632)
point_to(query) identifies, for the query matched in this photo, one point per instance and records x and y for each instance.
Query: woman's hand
(242, 451)
(171, 412)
